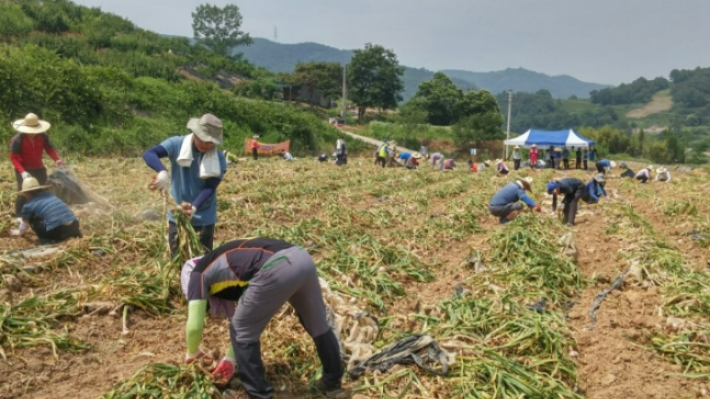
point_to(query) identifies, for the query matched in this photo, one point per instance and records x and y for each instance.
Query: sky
(601, 41)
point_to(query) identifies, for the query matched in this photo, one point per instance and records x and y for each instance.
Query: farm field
(401, 245)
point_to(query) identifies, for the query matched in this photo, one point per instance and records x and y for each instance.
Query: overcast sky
(602, 41)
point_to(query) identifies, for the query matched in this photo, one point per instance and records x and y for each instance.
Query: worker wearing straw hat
(517, 157)
(605, 165)
(413, 161)
(196, 169)
(644, 174)
(26, 149)
(534, 156)
(594, 190)
(662, 174)
(573, 189)
(275, 272)
(505, 203)
(49, 217)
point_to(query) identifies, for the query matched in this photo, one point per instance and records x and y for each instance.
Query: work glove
(60, 164)
(161, 182)
(191, 358)
(25, 175)
(224, 371)
(537, 208)
(15, 232)
(188, 209)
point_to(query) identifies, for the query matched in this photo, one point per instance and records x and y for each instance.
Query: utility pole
(345, 92)
(507, 134)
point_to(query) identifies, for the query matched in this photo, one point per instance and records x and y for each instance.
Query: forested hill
(520, 79)
(280, 57)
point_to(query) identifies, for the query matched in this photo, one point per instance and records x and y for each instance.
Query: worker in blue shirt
(558, 157)
(504, 203)
(605, 165)
(595, 189)
(573, 190)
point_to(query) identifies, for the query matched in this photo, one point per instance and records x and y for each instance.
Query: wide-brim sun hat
(534, 145)
(649, 167)
(599, 178)
(526, 182)
(417, 155)
(31, 124)
(517, 147)
(498, 161)
(623, 165)
(662, 170)
(487, 162)
(207, 128)
(31, 184)
(613, 164)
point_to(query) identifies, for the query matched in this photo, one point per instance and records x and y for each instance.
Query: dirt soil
(610, 364)
(661, 102)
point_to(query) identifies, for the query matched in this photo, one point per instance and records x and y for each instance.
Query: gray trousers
(289, 276)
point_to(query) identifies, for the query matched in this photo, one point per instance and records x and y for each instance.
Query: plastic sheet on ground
(421, 350)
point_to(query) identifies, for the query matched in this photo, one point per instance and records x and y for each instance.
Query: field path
(374, 142)
(660, 102)
(606, 355)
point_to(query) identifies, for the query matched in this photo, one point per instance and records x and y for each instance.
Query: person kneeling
(504, 203)
(261, 275)
(49, 217)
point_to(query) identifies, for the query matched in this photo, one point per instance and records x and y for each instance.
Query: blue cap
(551, 186)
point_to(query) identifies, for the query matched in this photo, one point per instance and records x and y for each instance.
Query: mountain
(520, 79)
(280, 57)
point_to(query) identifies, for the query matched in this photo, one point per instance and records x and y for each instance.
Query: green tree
(472, 130)
(218, 28)
(440, 98)
(476, 103)
(642, 137)
(374, 79)
(323, 77)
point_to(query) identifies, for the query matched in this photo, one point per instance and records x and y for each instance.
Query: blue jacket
(594, 190)
(605, 163)
(509, 194)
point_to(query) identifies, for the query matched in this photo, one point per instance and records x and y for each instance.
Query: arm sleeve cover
(209, 190)
(195, 324)
(152, 158)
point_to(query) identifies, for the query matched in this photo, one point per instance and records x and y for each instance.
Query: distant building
(300, 93)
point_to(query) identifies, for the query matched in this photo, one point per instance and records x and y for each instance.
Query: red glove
(224, 371)
(60, 163)
(537, 208)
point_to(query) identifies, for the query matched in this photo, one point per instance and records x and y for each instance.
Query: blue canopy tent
(543, 138)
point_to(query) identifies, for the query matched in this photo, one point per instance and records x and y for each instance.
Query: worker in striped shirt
(49, 217)
(275, 272)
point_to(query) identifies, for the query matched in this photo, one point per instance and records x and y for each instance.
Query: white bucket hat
(31, 184)
(599, 177)
(612, 164)
(662, 170)
(417, 155)
(207, 128)
(31, 124)
(649, 167)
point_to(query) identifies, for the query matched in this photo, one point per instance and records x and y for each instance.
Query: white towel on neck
(209, 166)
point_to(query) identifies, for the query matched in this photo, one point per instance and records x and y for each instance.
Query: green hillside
(109, 87)
(280, 57)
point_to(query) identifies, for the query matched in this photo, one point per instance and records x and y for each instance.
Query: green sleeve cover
(195, 323)
(230, 352)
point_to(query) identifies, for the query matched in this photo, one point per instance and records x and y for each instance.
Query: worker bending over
(595, 189)
(644, 174)
(663, 175)
(573, 190)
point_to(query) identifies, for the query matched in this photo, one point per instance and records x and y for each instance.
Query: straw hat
(207, 128)
(599, 177)
(662, 170)
(31, 184)
(649, 167)
(417, 155)
(487, 162)
(613, 164)
(526, 183)
(534, 145)
(31, 125)
(498, 161)
(517, 147)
